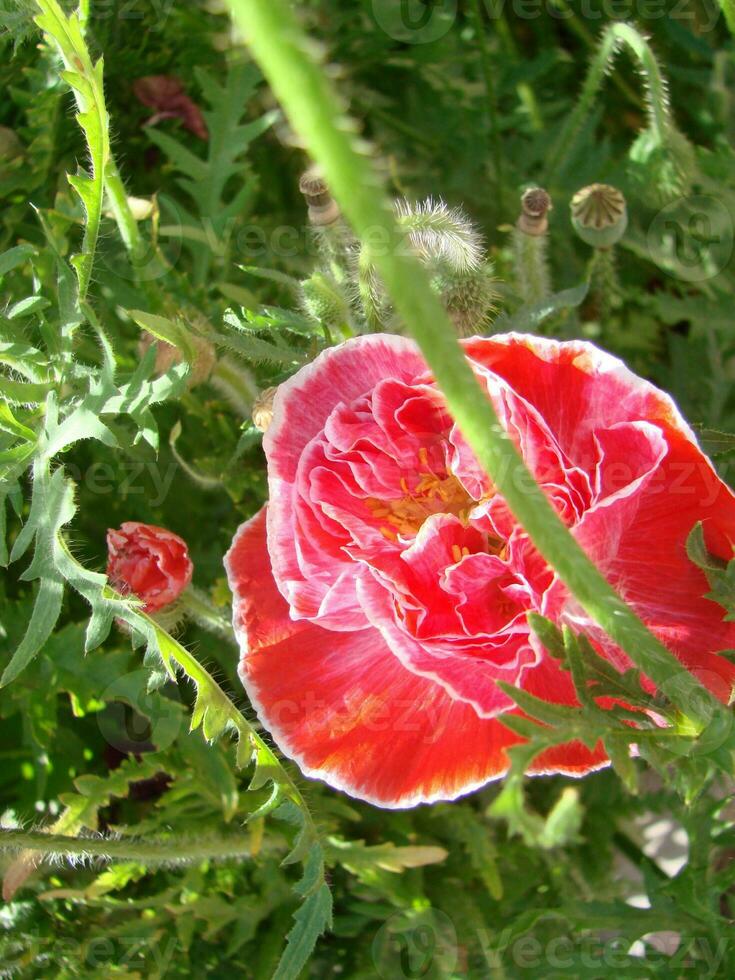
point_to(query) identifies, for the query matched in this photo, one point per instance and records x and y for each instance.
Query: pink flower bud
(149, 562)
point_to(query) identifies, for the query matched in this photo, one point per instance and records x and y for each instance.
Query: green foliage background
(203, 852)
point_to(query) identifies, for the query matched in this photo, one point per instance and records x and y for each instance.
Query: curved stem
(613, 37)
(147, 851)
(317, 115)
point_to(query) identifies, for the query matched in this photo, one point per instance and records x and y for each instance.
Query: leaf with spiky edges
(312, 918)
(205, 180)
(215, 715)
(85, 79)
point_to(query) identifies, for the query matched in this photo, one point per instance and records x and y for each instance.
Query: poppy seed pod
(323, 209)
(535, 207)
(599, 215)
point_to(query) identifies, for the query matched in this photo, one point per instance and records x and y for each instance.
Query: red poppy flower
(386, 591)
(148, 561)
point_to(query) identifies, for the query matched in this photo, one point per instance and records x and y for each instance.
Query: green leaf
(85, 80)
(528, 317)
(356, 856)
(14, 257)
(312, 918)
(43, 619)
(174, 333)
(25, 307)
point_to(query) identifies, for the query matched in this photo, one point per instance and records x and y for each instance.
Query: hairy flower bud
(599, 215)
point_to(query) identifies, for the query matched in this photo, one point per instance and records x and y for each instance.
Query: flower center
(433, 494)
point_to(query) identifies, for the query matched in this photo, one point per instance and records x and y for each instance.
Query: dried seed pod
(323, 209)
(535, 207)
(532, 276)
(599, 215)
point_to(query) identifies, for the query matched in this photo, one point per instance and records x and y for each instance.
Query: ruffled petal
(344, 708)
(340, 374)
(347, 711)
(576, 388)
(639, 542)
(301, 408)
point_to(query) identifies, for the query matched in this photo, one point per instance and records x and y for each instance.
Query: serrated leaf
(312, 918)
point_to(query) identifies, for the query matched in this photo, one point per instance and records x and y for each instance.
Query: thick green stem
(315, 112)
(147, 851)
(531, 266)
(728, 9)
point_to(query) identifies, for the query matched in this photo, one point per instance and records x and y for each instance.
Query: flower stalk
(148, 851)
(530, 239)
(315, 111)
(600, 216)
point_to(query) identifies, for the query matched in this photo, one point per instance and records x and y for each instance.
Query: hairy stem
(531, 266)
(316, 113)
(148, 851)
(614, 36)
